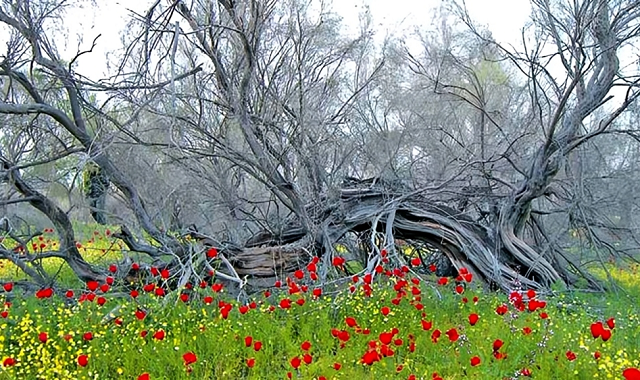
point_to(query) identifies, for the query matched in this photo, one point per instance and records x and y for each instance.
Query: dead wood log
(374, 207)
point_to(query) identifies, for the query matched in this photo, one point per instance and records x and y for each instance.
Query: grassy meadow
(392, 324)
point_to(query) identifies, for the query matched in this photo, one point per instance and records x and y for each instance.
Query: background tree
(280, 138)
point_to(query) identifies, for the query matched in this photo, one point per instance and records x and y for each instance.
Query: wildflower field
(394, 323)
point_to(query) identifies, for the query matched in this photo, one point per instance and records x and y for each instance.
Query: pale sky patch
(504, 18)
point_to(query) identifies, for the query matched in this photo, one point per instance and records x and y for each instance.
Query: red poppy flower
(386, 337)
(184, 297)
(208, 300)
(475, 361)
(164, 274)
(212, 253)
(295, 362)
(159, 335)
(143, 333)
(217, 287)
(606, 334)
(338, 261)
(189, 358)
(43, 337)
(473, 319)
(134, 293)
(92, 285)
(224, 310)
(306, 345)
(611, 323)
(312, 267)
(4, 314)
(9, 362)
(416, 261)
(300, 301)
(596, 329)
(149, 287)
(544, 315)
(257, 345)
(526, 330)
(69, 294)
(435, 336)
(597, 355)
(337, 366)
(535, 305)
(251, 362)
(298, 274)
(154, 271)
(159, 292)
(459, 289)
(101, 301)
(426, 325)
(140, 314)
(83, 360)
(631, 374)
(248, 340)
(525, 372)
(497, 344)
(453, 334)
(443, 281)
(8, 286)
(113, 268)
(285, 303)
(307, 358)
(370, 357)
(499, 355)
(502, 309)
(386, 351)
(135, 266)
(44, 293)
(571, 356)
(87, 336)
(144, 376)
(385, 310)
(243, 309)
(317, 292)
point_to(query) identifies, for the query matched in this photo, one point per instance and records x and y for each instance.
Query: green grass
(117, 350)
(221, 352)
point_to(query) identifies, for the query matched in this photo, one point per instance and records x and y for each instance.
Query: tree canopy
(262, 129)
